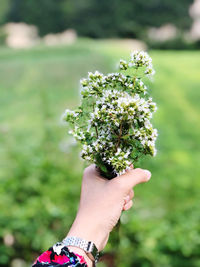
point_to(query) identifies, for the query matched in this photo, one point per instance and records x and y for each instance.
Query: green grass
(39, 184)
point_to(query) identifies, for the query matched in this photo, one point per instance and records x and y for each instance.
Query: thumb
(134, 177)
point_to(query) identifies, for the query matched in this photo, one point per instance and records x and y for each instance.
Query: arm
(101, 204)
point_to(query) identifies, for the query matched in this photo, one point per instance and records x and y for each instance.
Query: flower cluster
(113, 122)
(139, 60)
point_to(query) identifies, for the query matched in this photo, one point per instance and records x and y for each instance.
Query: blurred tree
(95, 19)
(5, 4)
(46, 14)
(127, 18)
(100, 19)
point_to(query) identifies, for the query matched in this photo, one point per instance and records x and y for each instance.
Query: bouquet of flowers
(113, 121)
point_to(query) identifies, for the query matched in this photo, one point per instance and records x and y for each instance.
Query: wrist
(88, 230)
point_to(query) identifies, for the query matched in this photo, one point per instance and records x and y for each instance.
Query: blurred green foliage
(40, 184)
(96, 19)
(4, 9)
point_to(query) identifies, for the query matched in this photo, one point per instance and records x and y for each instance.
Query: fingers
(92, 171)
(131, 194)
(128, 199)
(128, 180)
(134, 177)
(128, 205)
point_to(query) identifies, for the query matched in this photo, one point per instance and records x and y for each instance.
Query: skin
(101, 204)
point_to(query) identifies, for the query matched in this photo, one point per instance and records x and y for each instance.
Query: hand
(102, 202)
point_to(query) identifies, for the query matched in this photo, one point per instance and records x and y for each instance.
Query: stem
(96, 131)
(95, 125)
(134, 78)
(119, 137)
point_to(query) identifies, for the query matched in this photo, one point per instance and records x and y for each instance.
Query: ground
(39, 181)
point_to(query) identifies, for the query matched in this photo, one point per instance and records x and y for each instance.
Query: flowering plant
(113, 121)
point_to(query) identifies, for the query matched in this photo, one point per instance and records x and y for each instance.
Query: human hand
(102, 202)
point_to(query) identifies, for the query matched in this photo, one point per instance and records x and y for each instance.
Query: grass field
(39, 184)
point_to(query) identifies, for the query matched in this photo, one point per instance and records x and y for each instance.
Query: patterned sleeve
(59, 256)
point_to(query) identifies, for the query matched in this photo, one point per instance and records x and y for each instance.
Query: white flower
(113, 121)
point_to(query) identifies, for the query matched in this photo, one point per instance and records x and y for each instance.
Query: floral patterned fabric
(59, 256)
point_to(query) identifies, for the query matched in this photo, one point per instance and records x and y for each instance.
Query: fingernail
(131, 166)
(148, 174)
(126, 199)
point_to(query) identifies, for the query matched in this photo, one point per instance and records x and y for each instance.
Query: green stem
(119, 137)
(134, 79)
(96, 130)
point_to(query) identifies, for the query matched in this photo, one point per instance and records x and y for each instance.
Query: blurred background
(46, 47)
